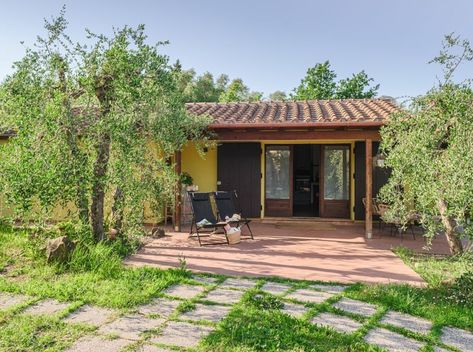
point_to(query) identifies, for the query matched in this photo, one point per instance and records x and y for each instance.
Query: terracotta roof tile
(345, 112)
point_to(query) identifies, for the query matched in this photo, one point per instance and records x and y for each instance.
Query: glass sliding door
(335, 199)
(278, 177)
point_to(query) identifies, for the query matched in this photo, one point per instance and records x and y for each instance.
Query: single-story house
(308, 159)
(316, 158)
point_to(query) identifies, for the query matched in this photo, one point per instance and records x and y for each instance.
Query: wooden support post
(369, 189)
(177, 200)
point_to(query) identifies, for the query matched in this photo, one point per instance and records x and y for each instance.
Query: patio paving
(90, 315)
(356, 307)
(152, 348)
(461, 339)
(306, 250)
(205, 280)
(8, 300)
(161, 306)
(46, 307)
(310, 296)
(182, 334)
(213, 313)
(335, 289)
(337, 322)
(130, 327)
(184, 291)
(239, 284)
(98, 344)
(391, 341)
(275, 288)
(225, 296)
(408, 322)
(293, 309)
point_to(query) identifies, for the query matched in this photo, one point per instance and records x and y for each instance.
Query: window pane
(277, 172)
(336, 172)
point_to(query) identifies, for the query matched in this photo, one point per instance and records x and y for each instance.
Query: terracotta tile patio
(299, 250)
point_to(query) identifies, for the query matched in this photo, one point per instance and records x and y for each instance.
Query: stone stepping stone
(221, 295)
(440, 349)
(91, 315)
(408, 322)
(356, 307)
(461, 339)
(131, 326)
(335, 289)
(184, 291)
(275, 288)
(206, 280)
(182, 334)
(46, 307)
(212, 313)
(295, 310)
(240, 284)
(391, 341)
(98, 344)
(310, 296)
(337, 322)
(8, 300)
(160, 306)
(152, 348)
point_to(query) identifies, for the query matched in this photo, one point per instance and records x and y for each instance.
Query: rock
(59, 249)
(157, 232)
(112, 234)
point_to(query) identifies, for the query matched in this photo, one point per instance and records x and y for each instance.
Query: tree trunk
(98, 189)
(454, 242)
(117, 209)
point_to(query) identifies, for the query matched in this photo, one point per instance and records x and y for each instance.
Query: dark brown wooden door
(278, 180)
(239, 168)
(335, 181)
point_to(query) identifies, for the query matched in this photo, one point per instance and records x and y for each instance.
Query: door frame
(322, 180)
(291, 180)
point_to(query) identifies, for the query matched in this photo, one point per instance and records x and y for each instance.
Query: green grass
(96, 276)
(436, 270)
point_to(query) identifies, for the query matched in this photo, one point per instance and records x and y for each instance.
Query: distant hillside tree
(278, 95)
(320, 83)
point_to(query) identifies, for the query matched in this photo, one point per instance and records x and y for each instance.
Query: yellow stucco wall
(202, 168)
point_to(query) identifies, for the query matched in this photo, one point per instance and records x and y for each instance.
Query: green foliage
(265, 301)
(429, 149)
(461, 291)
(186, 179)
(205, 88)
(436, 270)
(85, 116)
(319, 83)
(278, 95)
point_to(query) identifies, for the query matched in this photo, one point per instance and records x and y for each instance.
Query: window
(277, 172)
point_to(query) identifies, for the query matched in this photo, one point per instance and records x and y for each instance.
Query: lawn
(97, 277)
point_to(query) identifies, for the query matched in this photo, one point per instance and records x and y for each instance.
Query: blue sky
(269, 44)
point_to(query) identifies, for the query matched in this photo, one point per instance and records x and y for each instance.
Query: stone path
(8, 300)
(337, 322)
(461, 339)
(90, 315)
(310, 296)
(167, 328)
(356, 307)
(392, 341)
(408, 322)
(46, 307)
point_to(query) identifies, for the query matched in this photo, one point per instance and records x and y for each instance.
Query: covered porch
(296, 249)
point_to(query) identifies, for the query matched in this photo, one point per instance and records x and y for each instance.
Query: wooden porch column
(369, 189)
(177, 199)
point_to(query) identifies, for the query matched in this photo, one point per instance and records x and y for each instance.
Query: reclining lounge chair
(228, 205)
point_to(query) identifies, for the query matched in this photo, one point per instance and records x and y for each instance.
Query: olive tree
(429, 147)
(95, 124)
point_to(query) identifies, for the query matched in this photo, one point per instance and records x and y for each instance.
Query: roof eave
(217, 126)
